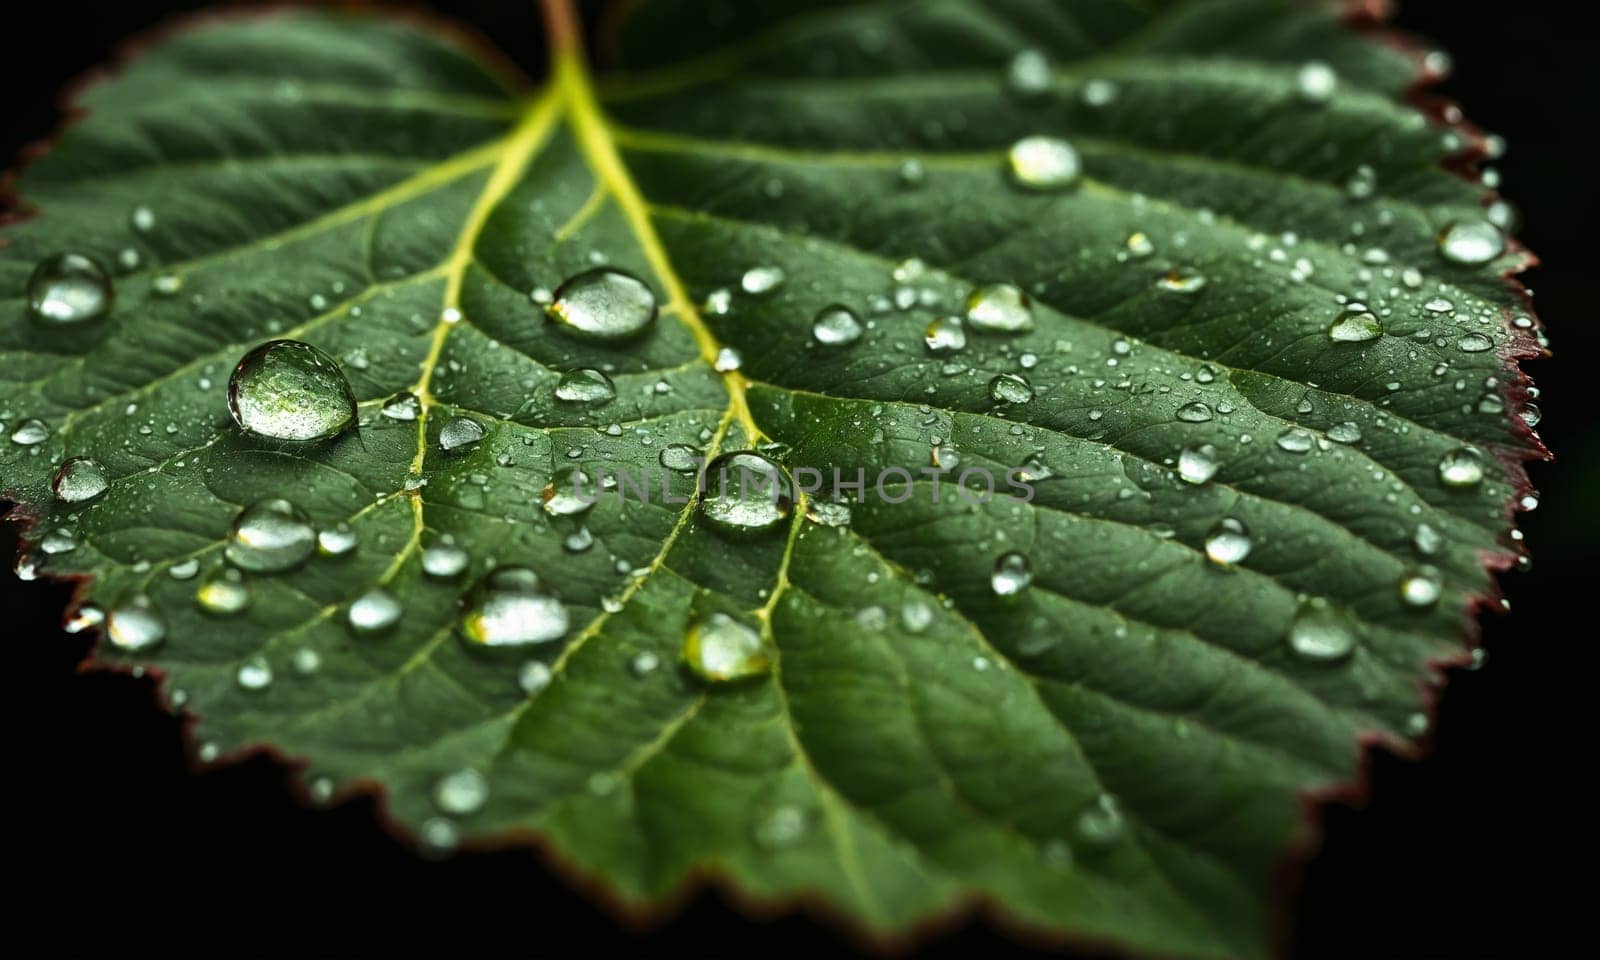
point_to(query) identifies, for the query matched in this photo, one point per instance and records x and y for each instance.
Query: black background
(1478, 850)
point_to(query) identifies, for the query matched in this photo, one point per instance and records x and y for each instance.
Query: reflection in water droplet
(836, 326)
(1181, 281)
(1461, 468)
(1012, 574)
(1228, 542)
(1044, 163)
(288, 390)
(1320, 632)
(459, 432)
(745, 493)
(719, 649)
(135, 625)
(1471, 242)
(1194, 412)
(1355, 326)
(374, 612)
(585, 385)
(999, 308)
(69, 288)
(603, 304)
(1295, 440)
(79, 479)
(224, 592)
(270, 536)
(509, 607)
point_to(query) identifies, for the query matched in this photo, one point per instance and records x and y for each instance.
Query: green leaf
(1119, 750)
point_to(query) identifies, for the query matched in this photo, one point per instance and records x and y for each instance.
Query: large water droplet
(459, 432)
(135, 625)
(269, 536)
(1012, 574)
(1355, 326)
(945, 335)
(1000, 308)
(1461, 468)
(1320, 631)
(69, 288)
(746, 493)
(373, 612)
(1228, 542)
(337, 541)
(603, 304)
(585, 386)
(444, 558)
(1198, 464)
(1421, 587)
(254, 674)
(288, 390)
(79, 479)
(1010, 388)
(1044, 163)
(761, 279)
(509, 607)
(1316, 82)
(30, 433)
(836, 326)
(224, 592)
(719, 649)
(1194, 412)
(1471, 242)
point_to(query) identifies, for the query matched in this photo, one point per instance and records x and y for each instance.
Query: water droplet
(373, 612)
(1427, 540)
(680, 458)
(1295, 440)
(1316, 82)
(603, 304)
(444, 559)
(1101, 824)
(912, 173)
(402, 406)
(1000, 308)
(571, 491)
(1347, 432)
(781, 827)
(69, 288)
(746, 493)
(1421, 587)
(1010, 388)
(461, 793)
(728, 360)
(836, 326)
(1012, 574)
(30, 433)
(1355, 326)
(1228, 542)
(184, 569)
(1028, 74)
(1319, 631)
(1194, 412)
(459, 432)
(1138, 246)
(761, 279)
(254, 674)
(1181, 281)
(534, 676)
(509, 607)
(337, 541)
(643, 663)
(1198, 464)
(916, 616)
(1044, 163)
(1471, 242)
(288, 390)
(1474, 343)
(224, 592)
(719, 649)
(829, 513)
(135, 625)
(585, 386)
(945, 335)
(1461, 468)
(270, 536)
(79, 479)
(578, 540)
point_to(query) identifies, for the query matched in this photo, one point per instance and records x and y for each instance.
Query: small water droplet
(1044, 163)
(836, 326)
(1028, 74)
(1228, 542)
(1421, 587)
(1474, 343)
(270, 536)
(459, 432)
(746, 493)
(1296, 440)
(1010, 388)
(719, 649)
(69, 288)
(461, 793)
(509, 607)
(1181, 281)
(571, 491)
(534, 676)
(758, 280)
(680, 458)
(1198, 464)
(1316, 82)
(79, 479)
(1471, 242)
(337, 541)
(224, 592)
(254, 674)
(1000, 308)
(402, 406)
(1461, 468)
(945, 335)
(288, 390)
(1101, 824)
(373, 612)
(1194, 412)
(1355, 326)
(1320, 632)
(603, 304)
(585, 385)
(1346, 432)
(1012, 574)
(728, 360)
(135, 625)
(444, 559)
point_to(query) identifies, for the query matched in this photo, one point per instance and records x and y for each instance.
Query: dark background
(1481, 849)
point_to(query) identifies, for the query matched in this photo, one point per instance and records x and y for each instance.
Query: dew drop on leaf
(1421, 587)
(1470, 242)
(945, 335)
(1316, 82)
(135, 625)
(1198, 464)
(603, 304)
(759, 280)
(224, 592)
(79, 479)
(1461, 468)
(1028, 74)
(719, 649)
(680, 458)
(444, 558)
(1320, 632)
(509, 607)
(1000, 308)
(337, 541)
(373, 612)
(1010, 388)
(1355, 326)
(571, 491)
(462, 792)
(1228, 542)
(402, 406)
(288, 390)
(1044, 163)
(459, 432)
(836, 326)
(30, 433)
(69, 288)
(746, 493)
(1194, 412)
(269, 536)
(1012, 574)
(585, 385)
